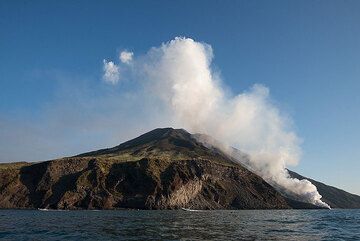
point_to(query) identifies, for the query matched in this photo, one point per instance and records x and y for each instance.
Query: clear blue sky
(306, 52)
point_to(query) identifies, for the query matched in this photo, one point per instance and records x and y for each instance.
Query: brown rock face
(90, 183)
(162, 169)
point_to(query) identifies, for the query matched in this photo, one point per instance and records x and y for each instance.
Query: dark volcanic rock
(162, 169)
(90, 183)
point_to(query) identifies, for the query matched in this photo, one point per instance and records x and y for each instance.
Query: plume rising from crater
(179, 77)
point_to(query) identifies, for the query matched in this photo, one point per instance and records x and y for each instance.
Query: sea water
(180, 225)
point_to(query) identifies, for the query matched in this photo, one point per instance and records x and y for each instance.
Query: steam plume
(178, 74)
(111, 72)
(126, 57)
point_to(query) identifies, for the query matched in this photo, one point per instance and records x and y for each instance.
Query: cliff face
(162, 169)
(91, 183)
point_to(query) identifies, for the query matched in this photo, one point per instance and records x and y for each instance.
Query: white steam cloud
(179, 75)
(111, 72)
(126, 57)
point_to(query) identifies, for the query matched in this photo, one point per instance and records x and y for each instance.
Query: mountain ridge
(165, 168)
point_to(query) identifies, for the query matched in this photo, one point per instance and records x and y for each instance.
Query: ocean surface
(180, 225)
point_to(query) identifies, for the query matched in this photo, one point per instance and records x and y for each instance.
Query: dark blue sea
(180, 225)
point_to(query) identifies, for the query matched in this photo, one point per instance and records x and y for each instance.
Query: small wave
(52, 210)
(191, 210)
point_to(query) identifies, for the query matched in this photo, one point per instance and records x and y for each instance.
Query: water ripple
(180, 225)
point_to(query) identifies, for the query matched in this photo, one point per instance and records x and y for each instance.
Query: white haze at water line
(179, 76)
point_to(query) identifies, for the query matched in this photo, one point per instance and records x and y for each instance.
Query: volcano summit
(162, 169)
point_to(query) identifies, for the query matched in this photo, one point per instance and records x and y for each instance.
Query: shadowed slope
(162, 169)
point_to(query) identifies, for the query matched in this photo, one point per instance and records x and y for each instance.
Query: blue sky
(306, 52)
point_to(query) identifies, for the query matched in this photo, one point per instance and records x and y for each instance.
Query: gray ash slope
(162, 169)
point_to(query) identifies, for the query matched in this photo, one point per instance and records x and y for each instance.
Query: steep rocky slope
(162, 169)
